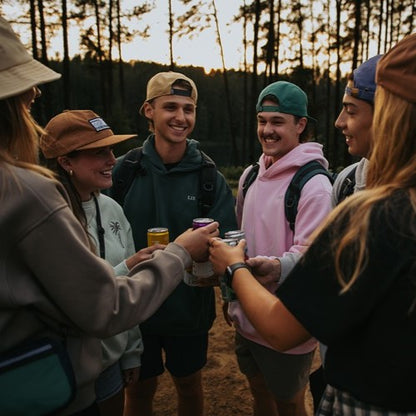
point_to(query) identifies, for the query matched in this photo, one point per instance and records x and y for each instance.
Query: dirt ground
(226, 389)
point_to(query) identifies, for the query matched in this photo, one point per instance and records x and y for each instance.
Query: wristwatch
(230, 270)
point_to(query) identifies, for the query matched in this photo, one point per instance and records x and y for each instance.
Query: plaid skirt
(335, 402)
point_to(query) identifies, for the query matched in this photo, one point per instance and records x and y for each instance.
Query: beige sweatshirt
(52, 285)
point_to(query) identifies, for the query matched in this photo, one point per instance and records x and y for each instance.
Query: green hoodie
(159, 197)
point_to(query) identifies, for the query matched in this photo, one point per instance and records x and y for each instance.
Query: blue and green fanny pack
(36, 378)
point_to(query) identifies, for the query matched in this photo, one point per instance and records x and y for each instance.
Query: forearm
(268, 315)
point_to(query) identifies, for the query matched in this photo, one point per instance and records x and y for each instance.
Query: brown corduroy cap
(162, 84)
(77, 130)
(396, 70)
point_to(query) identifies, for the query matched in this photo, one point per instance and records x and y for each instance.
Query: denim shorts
(285, 374)
(184, 355)
(109, 382)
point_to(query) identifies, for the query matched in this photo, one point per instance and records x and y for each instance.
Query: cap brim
(20, 78)
(107, 141)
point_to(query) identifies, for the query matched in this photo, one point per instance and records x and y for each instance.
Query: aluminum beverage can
(201, 222)
(199, 270)
(157, 235)
(227, 293)
(237, 235)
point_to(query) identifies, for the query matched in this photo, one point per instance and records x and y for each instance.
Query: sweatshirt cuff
(181, 253)
(121, 269)
(287, 263)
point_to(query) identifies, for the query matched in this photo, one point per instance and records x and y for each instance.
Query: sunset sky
(200, 51)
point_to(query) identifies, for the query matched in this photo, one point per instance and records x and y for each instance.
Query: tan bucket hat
(18, 70)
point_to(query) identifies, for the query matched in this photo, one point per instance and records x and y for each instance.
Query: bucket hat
(18, 70)
(77, 130)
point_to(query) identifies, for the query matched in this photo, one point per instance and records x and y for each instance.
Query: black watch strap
(232, 269)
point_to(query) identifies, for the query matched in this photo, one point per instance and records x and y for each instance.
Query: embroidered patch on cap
(99, 124)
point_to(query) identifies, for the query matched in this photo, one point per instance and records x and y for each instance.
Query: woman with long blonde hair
(355, 288)
(53, 289)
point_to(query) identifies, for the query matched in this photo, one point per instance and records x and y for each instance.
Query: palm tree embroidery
(115, 228)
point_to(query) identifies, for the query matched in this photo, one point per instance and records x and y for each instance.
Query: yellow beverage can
(157, 235)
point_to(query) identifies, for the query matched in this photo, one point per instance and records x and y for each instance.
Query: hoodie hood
(292, 161)
(190, 162)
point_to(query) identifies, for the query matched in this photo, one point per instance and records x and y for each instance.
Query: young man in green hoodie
(165, 193)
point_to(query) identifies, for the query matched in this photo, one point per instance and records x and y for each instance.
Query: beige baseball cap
(77, 130)
(18, 70)
(162, 84)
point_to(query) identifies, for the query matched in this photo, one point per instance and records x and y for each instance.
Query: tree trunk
(254, 93)
(66, 70)
(234, 147)
(121, 87)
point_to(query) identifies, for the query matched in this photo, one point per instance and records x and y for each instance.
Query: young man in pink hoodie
(278, 380)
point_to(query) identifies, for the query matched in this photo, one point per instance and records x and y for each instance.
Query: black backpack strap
(129, 168)
(294, 189)
(347, 186)
(207, 184)
(250, 178)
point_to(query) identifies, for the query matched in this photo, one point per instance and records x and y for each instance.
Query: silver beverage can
(227, 293)
(237, 235)
(200, 270)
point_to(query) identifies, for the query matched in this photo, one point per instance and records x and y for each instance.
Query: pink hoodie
(267, 230)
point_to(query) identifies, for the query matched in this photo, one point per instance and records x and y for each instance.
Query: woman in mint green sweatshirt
(85, 168)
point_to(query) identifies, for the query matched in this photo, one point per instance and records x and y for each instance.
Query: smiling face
(355, 121)
(91, 169)
(278, 133)
(172, 117)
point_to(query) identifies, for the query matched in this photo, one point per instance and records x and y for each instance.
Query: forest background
(313, 43)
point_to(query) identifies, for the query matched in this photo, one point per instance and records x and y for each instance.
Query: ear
(65, 162)
(301, 125)
(148, 110)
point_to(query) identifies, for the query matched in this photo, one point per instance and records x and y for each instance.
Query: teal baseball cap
(289, 97)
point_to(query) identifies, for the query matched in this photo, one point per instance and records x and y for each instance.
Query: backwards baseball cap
(396, 71)
(18, 70)
(289, 97)
(77, 130)
(162, 84)
(363, 85)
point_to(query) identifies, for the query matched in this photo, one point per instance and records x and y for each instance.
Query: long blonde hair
(19, 135)
(392, 167)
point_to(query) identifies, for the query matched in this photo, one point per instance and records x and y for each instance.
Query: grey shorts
(285, 374)
(109, 382)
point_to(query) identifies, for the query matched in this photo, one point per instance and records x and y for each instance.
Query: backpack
(293, 192)
(347, 186)
(131, 167)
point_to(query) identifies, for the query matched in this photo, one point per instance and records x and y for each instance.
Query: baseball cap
(77, 130)
(291, 99)
(18, 70)
(396, 71)
(363, 85)
(162, 84)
